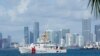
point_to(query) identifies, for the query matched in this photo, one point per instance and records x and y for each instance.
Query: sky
(51, 14)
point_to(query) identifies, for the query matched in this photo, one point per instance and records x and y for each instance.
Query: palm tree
(95, 7)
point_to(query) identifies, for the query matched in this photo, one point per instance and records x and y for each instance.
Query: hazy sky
(51, 14)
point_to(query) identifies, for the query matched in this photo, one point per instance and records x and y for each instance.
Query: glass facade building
(9, 41)
(57, 37)
(64, 32)
(0, 40)
(86, 30)
(97, 32)
(31, 37)
(26, 35)
(36, 31)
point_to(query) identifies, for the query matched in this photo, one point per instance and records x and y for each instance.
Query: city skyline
(55, 15)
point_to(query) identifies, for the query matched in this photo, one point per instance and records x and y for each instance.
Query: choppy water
(75, 52)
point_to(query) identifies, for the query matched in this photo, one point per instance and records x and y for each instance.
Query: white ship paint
(42, 48)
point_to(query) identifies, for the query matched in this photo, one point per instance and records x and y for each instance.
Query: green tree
(95, 7)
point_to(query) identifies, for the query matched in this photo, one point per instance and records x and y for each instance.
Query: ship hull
(24, 50)
(28, 50)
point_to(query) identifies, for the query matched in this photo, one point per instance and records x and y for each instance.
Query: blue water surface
(71, 52)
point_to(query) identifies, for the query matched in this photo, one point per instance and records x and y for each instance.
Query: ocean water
(71, 52)
(15, 52)
(83, 52)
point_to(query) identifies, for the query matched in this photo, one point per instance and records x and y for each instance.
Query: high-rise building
(9, 41)
(64, 32)
(26, 35)
(5, 43)
(0, 40)
(62, 42)
(79, 40)
(31, 37)
(36, 31)
(94, 37)
(57, 37)
(69, 39)
(86, 30)
(0, 35)
(53, 36)
(97, 32)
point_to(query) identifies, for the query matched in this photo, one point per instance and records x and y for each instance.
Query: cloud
(2, 11)
(87, 14)
(81, 14)
(19, 9)
(61, 2)
(23, 6)
(12, 14)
